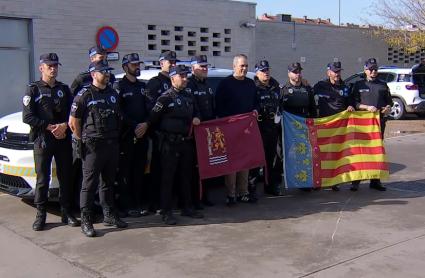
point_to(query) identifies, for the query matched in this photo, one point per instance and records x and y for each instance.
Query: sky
(351, 11)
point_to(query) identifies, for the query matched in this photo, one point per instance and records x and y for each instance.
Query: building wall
(68, 27)
(314, 46)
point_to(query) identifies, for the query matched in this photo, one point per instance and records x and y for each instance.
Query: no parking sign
(107, 37)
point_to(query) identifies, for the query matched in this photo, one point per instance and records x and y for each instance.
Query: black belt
(269, 116)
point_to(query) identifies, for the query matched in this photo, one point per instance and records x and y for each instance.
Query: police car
(407, 89)
(215, 75)
(17, 172)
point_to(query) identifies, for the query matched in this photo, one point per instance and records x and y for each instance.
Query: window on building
(151, 37)
(216, 53)
(216, 35)
(227, 40)
(204, 39)
(178, 38)
(191, 43)
(152, 46)
(227, 31)
(216, 44)
(191, 52)
(165, 42)
(178, 28)
(165, 32)
(204, 30)
(151, 27)
(204, 48)
(178, 48)
(227, 49)
(191, 34)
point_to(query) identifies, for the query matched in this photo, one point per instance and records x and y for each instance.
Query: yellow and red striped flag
(327, 151)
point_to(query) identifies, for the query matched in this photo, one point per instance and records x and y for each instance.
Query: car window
(391, 77)
(404, 77)
(354, 78)
(383, 76)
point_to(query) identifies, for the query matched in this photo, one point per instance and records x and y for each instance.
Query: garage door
(15, 57)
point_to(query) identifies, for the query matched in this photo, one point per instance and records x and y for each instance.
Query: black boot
(169, 219)
(40, 219)
(68, 218)
(87, 224)
(111, 219)
(274, 190)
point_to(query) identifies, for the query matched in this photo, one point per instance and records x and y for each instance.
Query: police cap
(262, 65)
(97, 50)
(335, 66)
(132, 58)
(371, 64)
(179, 69)
(49, 59)
(100, 66)
(294, 67)
(199, 60)
(168, 55)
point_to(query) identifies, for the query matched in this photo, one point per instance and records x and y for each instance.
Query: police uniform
(154, 88)
(44, 105)
(160, 83)
(204, 98)
(133, 151)
(84, 78)
(172, 116)
(332, 98)
(298, 99)
(99, 112)
(372, 93)
(268, 99)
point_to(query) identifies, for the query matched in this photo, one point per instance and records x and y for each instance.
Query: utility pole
(339, 12)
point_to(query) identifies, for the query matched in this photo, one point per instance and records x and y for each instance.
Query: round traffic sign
(107, 37)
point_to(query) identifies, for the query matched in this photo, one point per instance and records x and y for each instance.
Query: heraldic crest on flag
(327, 151)
(228, 145)
(216, 146)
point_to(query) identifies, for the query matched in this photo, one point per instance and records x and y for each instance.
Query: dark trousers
(44, 151)
(100, 157)
(177, 159)
(131, 173)
(270, 134)
(154, 178)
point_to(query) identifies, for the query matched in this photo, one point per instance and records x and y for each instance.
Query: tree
(403, 23)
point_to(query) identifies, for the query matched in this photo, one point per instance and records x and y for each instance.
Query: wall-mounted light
(247, 24)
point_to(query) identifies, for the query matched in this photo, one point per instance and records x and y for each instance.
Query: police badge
(60, 94)
(166, 86)
(113, 99)
(26, 100)
(290, 90)
(179, 102)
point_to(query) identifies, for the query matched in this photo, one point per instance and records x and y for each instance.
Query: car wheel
(397, 111)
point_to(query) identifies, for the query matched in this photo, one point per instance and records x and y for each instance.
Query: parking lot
(317, 234)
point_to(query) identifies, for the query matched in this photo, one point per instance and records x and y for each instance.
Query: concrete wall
(315, 46)
(68, 27)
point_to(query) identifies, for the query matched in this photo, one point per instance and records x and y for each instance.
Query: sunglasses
(373, 69)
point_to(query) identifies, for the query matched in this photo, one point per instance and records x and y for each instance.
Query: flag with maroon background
(228, 145)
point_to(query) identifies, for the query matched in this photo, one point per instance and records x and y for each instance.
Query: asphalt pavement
(317, 234)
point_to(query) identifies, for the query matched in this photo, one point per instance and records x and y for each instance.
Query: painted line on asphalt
(362, 255)
(401, 136)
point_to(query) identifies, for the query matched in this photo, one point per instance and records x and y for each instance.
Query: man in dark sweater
(236, 94)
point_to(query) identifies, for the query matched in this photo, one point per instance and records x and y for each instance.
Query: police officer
(204, 98)
(332, 95)
(372, 94)
(173, 115)
(297, 94)
(84, 79)
(46, 109)
(160, 83)
(133, 144)
(154, 88)
(95, 118)
(268, 98)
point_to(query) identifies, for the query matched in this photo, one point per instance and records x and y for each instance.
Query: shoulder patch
(82, 91)
(158, 107)
(26, 100)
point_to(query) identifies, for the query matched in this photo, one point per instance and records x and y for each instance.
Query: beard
(134, 73)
